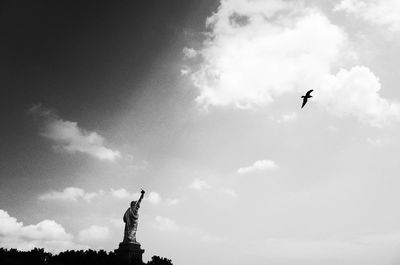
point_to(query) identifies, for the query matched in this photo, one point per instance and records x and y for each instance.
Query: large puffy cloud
(259, 50)
(249, 63)
(69, 137)
(8, 224)
(380, 12)
(46, 234)
(355, 92)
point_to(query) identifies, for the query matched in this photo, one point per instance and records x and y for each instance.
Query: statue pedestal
(130, 253)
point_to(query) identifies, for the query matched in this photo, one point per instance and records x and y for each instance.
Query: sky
(198, 103)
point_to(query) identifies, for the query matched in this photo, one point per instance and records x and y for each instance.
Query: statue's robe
(131, 217)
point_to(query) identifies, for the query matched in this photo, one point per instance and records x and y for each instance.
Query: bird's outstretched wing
(304, 102)
(309, 92)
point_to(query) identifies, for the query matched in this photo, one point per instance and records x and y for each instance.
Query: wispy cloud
(379, 12)
(77, 194)
(199, 184)
(124, 194)
(332, 129)
(70, 194)
(189, 52)
(287, 117)
(153, 197)
(228, 191)
(185, 71)
(165, 224)
(375, 141)
(69, 137)
(171, 202)
(258, 166)
(94, 233)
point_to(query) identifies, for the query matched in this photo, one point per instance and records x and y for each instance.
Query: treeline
(71, 257)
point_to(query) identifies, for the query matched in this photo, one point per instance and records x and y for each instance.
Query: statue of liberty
(131, 221)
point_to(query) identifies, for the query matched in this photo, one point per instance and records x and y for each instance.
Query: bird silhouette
(306, 97)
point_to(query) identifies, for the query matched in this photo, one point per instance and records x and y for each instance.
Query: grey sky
(102, 100)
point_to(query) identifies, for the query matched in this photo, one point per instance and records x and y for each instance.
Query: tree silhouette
(156, 260)
(70, 257)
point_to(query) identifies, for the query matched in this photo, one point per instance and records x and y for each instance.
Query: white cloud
(202, 186)
(94, 233)
(171, 202)
(8, 224)
(69, 137)
(124, 194)
(120, 193)
(46, 234)
(199, 184)
(189, 52)
(69, 194)
(77, 194)
(259, 50)
(380, 12)
(228, 191)
(288, 117)
(137, 166)
(249, 64)
(258, 166)
(165, 224)
(375, 142)
(333, 129)
(154, 197)
(185, 71)
(47, 229)
(355, 92)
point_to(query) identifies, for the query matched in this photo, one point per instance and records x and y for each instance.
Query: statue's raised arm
(131, 217)
(141, 196)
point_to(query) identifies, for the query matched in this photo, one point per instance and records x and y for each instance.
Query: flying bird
(306, 97)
